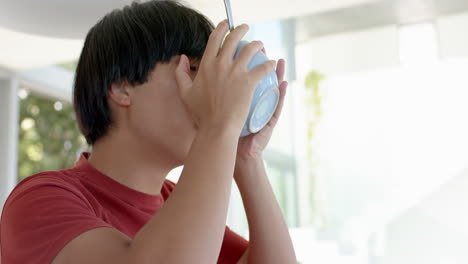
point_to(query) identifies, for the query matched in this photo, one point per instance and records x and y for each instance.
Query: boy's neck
(128, 162)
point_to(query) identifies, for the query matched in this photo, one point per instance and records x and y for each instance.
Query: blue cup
(266, 96)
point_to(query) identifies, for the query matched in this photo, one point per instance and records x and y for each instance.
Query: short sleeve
(234, 246)
(38, 220)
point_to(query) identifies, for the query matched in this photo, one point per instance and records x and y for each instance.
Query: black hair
(125, 45)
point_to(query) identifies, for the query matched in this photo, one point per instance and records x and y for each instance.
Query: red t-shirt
(47, 210)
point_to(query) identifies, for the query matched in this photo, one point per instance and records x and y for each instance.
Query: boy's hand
(252, 146)
(219, 97)
(262, 210)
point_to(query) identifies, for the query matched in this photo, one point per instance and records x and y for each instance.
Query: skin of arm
(269, 237)
(270, 241)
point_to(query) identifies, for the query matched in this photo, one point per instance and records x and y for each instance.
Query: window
(49, 138)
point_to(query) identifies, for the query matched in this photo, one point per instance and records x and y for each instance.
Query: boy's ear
(119, 94)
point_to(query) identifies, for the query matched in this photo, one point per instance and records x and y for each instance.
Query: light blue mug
(266, 96)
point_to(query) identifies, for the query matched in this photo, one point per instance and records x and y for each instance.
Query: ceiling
(73, 18)
(20, 51)
(39, 33)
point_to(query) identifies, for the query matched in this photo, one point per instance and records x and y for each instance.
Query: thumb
(184, 82)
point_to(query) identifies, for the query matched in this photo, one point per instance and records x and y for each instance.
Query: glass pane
(283, 181)
(49, 138)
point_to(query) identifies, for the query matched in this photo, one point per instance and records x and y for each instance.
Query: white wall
(356, 51)
(389, 138)
(434, 231)
(352, 166)
(453, 37)
(389, 135)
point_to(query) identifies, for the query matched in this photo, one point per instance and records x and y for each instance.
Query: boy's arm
(268, 233)
(269, 238)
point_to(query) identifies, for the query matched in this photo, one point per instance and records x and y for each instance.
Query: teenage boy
(156, 87)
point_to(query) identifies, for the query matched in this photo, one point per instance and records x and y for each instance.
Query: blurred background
(370, 159)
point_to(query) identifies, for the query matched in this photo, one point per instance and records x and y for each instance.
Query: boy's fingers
(184, 82)
(232, 41)
(280, 69)
(216, 39)
(247, 52)
(263, 69)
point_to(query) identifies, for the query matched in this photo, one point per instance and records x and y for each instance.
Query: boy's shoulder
(61, 178)
(51, 178)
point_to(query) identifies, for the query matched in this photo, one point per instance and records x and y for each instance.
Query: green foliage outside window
(313, 100)
(49, 138)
